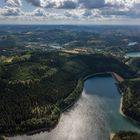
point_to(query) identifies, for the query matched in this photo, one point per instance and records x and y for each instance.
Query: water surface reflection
(92, 117)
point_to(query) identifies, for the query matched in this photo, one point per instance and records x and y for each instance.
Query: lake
(132, 54)
(93, 117)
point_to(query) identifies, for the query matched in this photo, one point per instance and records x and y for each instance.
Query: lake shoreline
(111, 135)
(118, 79)
(125, 116)
(47, 129)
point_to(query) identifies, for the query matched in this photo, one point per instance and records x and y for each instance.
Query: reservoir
(93, 117)
(132, 54)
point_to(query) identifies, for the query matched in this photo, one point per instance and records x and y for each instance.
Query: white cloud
(89, 4)
(120, 3)
(37, 12)
(11, 11)
(54, 3)
(78, 10)
(83, 13)
(68, 4)
(13, 3)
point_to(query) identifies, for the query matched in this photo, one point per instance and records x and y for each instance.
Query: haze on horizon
(119, 12)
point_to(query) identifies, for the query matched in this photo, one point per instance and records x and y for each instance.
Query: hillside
(131, 98)
(126, 136)
(34, 91)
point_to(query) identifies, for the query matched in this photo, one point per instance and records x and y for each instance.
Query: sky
(122, 12)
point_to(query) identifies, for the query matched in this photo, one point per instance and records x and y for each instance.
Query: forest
(122, 135)
(131, 98)
(34, 91)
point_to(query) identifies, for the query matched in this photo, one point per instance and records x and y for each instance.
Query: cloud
(91, 4)
(87, 13)
(13, 3)
(120, 3)
(122, 8)
(82, 14)
(38, 12)
(68, 4)
(10, 11)
(73, 10)
(39, 3)
(88, 4)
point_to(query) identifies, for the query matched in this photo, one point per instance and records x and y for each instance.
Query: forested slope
(131, 98)
(126, 136)
(34, 91)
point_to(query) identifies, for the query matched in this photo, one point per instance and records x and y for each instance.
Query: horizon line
(43, 24)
